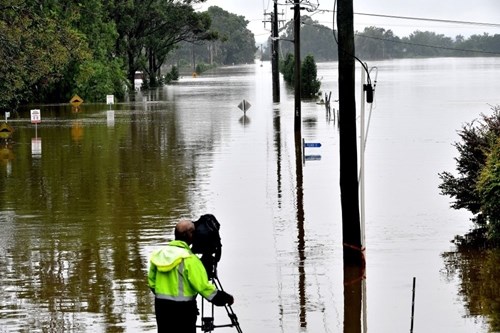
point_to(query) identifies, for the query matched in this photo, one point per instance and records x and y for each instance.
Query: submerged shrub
(477, 186)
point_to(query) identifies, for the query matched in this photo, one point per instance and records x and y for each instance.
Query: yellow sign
(76, 101)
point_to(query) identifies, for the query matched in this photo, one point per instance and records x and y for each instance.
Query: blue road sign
(312, 145)
(312, 157)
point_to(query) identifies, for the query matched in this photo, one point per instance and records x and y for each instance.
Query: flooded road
(87, 196)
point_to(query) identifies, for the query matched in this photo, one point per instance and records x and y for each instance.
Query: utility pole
(349, 190)
(296, 39)
(275, 54)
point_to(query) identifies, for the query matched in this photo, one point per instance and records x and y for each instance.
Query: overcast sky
(483, 11)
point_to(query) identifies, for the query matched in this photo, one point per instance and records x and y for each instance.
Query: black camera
(207, 242)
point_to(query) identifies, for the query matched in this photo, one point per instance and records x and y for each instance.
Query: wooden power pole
(275, 54)
(349, 192)
(296, 39)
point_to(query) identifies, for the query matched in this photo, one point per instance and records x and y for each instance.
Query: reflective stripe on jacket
(176, 274)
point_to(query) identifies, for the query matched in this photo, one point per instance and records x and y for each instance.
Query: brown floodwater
(86, 196)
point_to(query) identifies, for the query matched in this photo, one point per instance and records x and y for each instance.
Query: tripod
(207, 322)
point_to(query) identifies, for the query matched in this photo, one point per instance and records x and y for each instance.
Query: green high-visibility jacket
(177, 274)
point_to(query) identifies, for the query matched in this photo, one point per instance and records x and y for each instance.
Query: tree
(287, 68)
(310, 83)
(235, 43)
(477, 187)
(488, 188)
(149, 30)
(378, 43)
(316, 39)
(34, 48)
(101, 72)
(177, 23)
(428, 44)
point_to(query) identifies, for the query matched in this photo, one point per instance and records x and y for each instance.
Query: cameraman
(176, 276)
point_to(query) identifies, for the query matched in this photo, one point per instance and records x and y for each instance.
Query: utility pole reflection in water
(353, 295)
(277, 145)
(300, 228)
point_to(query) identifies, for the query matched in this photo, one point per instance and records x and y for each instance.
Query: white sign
(110, 99)
(36, 116)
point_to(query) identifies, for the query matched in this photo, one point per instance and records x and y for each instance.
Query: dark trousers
(175, 317)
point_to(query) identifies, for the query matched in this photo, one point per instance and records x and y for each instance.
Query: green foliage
(379, 43)
(148, 31)
(237, 42)
(315, 39)
(34, 51)
(478, 273)
(477, 187)
(309, 82)
(96, 79)
(173, 75)
(50, 50)
(231, 43)
(287, 68)
(488, 187)
(203, 67)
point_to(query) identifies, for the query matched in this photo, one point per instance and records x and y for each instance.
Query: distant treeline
(235, 44)
(51, 50)
(379, 43)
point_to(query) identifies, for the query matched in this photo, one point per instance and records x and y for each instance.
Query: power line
(399, 41)
(494, 25)
(429, 46)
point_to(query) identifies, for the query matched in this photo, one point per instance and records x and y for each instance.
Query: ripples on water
(79, 221)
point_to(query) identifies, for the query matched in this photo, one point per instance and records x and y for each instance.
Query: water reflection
(77, 130)
(79, 219)
(300, 227)
(478, 275)
(353, 295)
(244, 120)
(6, 155)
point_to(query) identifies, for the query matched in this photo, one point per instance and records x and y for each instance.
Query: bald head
(184, 231)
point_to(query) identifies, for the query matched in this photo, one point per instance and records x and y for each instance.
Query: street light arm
(284, 39)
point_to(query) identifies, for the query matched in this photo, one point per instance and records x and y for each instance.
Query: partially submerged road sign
(312, 157)
(312, 145)
(76, 101)
(110, 99)
(244, 105)
(36, 117)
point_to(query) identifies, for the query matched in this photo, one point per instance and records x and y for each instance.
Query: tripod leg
(207, 323)
(229, 310)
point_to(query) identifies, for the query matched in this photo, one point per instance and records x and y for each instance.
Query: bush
(477, 188)
(309, 82)
(173, 75)
(203, 67)
(287, 68)
(488, 188)
(97, 79)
